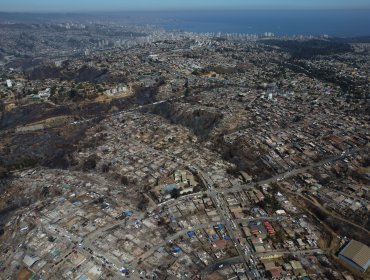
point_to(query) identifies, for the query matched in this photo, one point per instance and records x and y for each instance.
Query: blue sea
(341, 23)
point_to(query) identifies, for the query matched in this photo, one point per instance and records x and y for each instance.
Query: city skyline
(147, 5)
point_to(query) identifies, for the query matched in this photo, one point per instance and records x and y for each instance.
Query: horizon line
(233, 9)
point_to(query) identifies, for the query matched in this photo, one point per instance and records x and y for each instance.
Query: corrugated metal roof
(357, 252)
(30, 260)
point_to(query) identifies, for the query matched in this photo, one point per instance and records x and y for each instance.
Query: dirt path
(335, 241)
(313, 201)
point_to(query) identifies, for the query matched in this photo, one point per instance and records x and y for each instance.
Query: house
(298, 268)
(45, 94)
(9, 83)
(185, 177)
(30, 260)
(275, 273)
(246, 177)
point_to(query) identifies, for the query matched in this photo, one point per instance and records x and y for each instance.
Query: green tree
(175, 193)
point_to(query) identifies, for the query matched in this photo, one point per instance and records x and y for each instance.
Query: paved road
(237, 188)
(4, 132)
(170, 239)
(220, 264)
(179, 200)
(291, 173)
(127, 110)
(231, 226)
(267, 218)
(313, 201)
(71, 239)
(89, 249)
(294, 253)
(88, 243)
(230, 222)
(247, 257)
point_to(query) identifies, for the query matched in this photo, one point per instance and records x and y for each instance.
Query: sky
(126, 5)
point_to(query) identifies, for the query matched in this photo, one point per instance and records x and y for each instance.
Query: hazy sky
(122, 5)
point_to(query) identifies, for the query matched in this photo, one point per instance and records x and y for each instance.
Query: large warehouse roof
(358, 253)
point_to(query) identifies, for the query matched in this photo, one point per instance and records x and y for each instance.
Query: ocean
(340, 23)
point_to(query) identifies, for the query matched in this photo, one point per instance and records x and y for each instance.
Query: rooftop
(358, 253)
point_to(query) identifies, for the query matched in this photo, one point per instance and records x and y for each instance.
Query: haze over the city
(114, 5)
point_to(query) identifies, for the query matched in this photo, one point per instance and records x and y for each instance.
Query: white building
(9, 83)
(44, 93)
